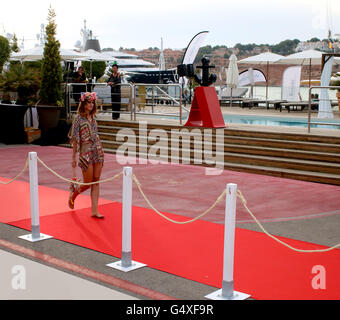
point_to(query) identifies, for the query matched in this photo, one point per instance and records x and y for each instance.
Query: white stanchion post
(227, 292)
(126, 264)
(35, 223)
(127, 219)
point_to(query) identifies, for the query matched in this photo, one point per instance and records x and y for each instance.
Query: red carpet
(15, 201)
(263, 268)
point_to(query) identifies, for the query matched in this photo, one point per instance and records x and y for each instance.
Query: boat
(134, 69)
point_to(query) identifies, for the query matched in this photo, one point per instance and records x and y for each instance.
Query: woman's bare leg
(97, 170)
(87, 177)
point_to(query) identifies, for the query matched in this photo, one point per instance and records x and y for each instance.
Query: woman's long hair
(82, 104)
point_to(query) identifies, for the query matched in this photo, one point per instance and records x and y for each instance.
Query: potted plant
(23, 80)
(50, 94)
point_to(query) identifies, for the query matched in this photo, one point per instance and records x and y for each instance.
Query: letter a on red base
(205, 109)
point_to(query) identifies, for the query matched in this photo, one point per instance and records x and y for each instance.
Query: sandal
(71, 200)
(74, 191)
(98, 216)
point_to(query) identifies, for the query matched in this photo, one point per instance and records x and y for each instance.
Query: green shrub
(5, 51)
(21, 79)
(98, 68)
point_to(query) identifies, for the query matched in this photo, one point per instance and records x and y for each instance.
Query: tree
(14, 45)
(51, 71)
(5, 51)
(98, 68)
(203, 51)
(285, 47)
(14, 48)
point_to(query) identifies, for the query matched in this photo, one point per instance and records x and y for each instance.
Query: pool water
(278, 121)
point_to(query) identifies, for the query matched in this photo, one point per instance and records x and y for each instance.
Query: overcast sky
(141, 23)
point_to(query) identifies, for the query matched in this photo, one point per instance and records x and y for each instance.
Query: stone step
(198, 155)
(319, 177)
(230, 139)
(289, 155)
(232, 132)
(246, 149)
(255, 169)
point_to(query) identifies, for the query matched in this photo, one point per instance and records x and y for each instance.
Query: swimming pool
(278, 121)
(264, 120)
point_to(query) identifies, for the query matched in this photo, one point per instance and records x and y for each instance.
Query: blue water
(270, 121)
(278, 121)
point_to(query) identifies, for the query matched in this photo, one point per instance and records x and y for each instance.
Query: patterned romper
(88, 142)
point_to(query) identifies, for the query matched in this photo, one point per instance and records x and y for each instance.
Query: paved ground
(322, 230)
(26, 279)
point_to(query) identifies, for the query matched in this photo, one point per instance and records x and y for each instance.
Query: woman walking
(85, 140)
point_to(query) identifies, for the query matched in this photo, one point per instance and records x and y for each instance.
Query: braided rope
(19, 175)
(79, 183)
(239, 195)
(169, 219)
(244, 202)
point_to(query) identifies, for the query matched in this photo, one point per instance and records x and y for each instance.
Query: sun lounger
(293, 105)
(298, 105)
(237, 95)
(252, 102)
(276, 103)
(226, 101)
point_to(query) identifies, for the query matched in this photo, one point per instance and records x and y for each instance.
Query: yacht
(137, 70)
(134, 69)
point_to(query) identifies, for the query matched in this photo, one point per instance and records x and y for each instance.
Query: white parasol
(304, 58)
(232, 75)
(266, 58)
(37, 53)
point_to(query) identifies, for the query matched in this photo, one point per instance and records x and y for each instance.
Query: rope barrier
(219, 199)
(169, 219)
(19, 175)
(244, 202)
(79, 183)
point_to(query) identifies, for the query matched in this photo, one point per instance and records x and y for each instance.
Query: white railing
(310, 122)
(137, 97)
(104, 95)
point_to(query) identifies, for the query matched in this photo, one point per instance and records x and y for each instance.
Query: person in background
(186, 97)
(114, 81)
(78, 77)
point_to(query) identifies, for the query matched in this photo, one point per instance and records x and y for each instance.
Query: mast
(330, 27)
(161, 61)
